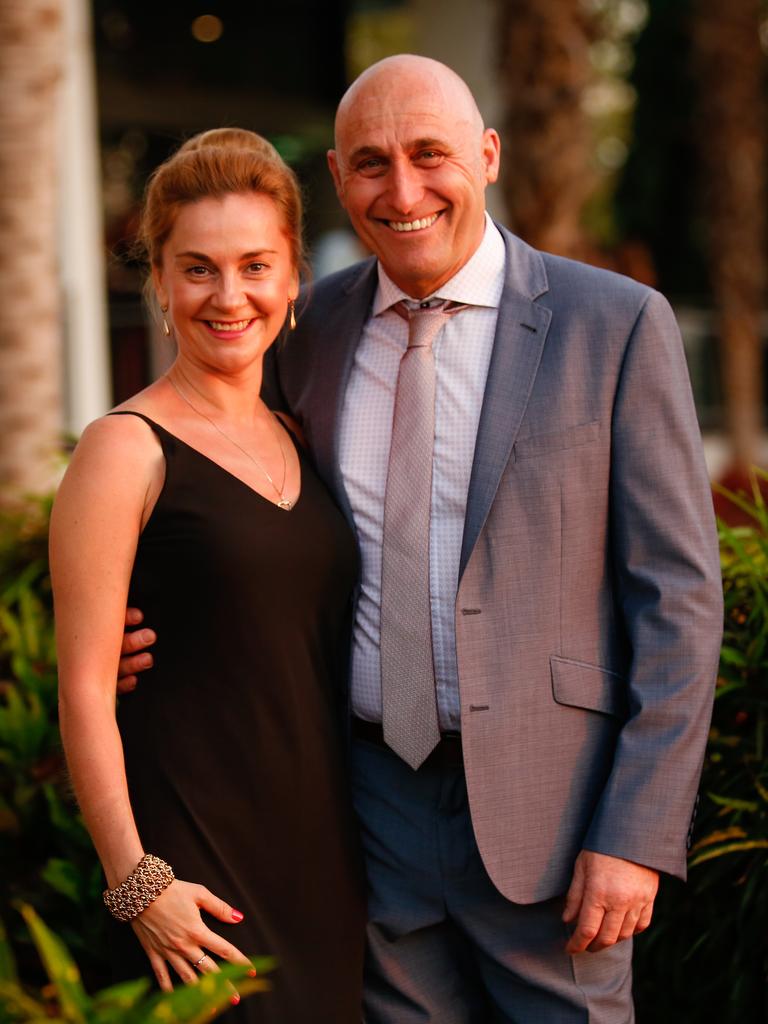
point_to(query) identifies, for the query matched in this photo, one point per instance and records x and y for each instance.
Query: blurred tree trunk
(30, 332)
(730, 69)
(544, 69)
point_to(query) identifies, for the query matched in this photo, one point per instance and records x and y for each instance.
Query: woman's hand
(172, 931)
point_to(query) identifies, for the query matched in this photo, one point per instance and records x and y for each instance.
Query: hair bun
(231, 138)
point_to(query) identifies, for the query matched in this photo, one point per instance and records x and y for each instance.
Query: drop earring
(292, 307)
(166, 328)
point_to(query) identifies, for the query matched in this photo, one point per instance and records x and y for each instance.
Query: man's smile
(413, 225)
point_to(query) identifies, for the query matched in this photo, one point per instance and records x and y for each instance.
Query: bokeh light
(207, 28)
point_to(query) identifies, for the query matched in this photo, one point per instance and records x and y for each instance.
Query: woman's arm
(95, 526)
(106, 495)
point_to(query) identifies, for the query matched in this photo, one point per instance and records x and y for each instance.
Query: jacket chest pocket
(562, 440)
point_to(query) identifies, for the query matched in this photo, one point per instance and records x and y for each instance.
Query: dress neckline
(218, 465)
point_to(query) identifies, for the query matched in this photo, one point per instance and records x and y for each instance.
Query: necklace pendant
(285, 503)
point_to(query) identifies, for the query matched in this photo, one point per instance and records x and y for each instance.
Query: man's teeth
(239, 326)
(412, 225)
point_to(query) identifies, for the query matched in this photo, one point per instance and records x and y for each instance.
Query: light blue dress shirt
(462, 355)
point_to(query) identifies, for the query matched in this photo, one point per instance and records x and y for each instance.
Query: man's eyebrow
(428, 143)
(363, 151)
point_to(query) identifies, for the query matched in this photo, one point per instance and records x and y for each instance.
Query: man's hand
(610, 899)
(134, 656)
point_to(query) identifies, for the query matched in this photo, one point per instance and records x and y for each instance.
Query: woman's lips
(228, 328)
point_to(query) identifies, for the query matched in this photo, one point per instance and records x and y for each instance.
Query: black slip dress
(232, 741)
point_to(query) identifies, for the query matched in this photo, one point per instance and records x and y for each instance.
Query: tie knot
(424, 323)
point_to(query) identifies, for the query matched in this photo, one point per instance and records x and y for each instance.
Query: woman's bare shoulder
(116, 436)
(116, 456)
(125, 426)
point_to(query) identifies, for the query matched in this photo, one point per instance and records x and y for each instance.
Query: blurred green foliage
(705, 958)
(47, 856)
(64, 1000)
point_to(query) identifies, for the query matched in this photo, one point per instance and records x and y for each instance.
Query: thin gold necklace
(282, 502)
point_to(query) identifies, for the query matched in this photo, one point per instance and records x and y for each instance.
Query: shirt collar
(479, 282)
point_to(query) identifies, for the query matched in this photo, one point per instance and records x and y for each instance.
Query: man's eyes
(371, 165)
(375, 165)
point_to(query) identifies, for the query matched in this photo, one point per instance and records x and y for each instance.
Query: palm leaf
(720, 851)
(60, 967)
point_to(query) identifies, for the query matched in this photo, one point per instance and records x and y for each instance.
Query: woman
(193, 501)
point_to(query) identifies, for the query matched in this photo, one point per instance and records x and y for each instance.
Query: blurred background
(634, 136)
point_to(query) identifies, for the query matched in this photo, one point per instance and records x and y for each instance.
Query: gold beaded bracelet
(149, 878)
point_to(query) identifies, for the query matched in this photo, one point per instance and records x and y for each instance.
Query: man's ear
(333, 167)
(491, 150)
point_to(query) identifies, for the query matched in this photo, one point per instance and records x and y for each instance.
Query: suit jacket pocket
(541, 444)
(576, 684)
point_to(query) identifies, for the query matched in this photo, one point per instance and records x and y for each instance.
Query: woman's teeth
(217, 325)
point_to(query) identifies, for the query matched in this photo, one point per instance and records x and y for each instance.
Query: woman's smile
(230, 329)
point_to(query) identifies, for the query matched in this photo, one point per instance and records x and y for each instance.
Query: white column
(87, 391)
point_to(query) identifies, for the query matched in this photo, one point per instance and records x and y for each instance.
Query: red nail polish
(234, 1000)
(252, 973)
(237, 915)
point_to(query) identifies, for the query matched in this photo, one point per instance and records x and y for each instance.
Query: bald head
(388, 81)
(411, 164)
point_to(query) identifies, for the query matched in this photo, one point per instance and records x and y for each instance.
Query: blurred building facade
(163, 72)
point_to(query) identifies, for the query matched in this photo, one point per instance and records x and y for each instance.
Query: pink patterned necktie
(409, 701)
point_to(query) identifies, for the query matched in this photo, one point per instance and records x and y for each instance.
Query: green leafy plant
(706, 956)
(47, 857)
(64, 1000)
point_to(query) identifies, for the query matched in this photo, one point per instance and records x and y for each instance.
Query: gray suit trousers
(444, 945)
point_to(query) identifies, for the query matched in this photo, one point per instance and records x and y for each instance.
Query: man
(520, 785)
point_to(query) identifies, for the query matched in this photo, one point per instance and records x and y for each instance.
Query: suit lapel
(521, 331)
(342, 327)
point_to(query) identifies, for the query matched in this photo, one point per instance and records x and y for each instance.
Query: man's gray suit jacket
(588, 613)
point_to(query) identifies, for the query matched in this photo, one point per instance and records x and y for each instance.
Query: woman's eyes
(201, 271)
